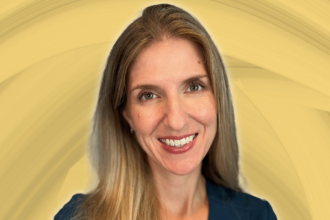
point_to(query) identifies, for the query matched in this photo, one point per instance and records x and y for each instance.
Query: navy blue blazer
(224, 204)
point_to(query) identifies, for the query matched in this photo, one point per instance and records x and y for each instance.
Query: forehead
(169, 60)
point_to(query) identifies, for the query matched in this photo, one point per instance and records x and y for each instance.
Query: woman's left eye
(147, 96)
(194, 87)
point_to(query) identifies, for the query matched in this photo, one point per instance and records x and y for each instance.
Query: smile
(178, 143)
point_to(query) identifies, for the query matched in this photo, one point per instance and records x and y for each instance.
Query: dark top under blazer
(224, 204)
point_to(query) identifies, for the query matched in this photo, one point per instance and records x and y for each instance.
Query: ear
(127, 117)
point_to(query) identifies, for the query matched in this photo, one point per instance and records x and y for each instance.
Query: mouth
(178, 142)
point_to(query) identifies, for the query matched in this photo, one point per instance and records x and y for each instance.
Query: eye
(147, 96)
(194, 87)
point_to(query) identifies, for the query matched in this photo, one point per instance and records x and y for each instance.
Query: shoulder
(237, 205)
(68, 210)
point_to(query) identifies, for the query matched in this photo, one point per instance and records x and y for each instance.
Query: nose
(176, 116)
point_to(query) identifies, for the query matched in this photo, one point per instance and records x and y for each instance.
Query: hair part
(125, 187)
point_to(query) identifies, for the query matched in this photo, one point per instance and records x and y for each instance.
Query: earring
(132, 130)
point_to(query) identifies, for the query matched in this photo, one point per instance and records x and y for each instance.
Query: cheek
(146, 119)
(205, 111)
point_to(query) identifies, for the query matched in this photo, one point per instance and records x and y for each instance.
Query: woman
(165, 135)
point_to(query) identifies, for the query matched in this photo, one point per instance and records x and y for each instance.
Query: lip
(178, 150)
(177, 137)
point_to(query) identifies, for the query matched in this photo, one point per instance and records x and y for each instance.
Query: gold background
(52, 54)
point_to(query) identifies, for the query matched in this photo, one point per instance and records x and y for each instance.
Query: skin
(173, 107)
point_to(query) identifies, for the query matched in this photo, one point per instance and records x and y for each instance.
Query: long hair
(125, 187)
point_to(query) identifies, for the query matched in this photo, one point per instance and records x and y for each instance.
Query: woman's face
(169, 99)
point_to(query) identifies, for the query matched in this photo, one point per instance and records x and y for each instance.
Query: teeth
(183, 141)
(178, 143)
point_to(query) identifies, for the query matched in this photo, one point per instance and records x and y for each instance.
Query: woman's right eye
(147, 96)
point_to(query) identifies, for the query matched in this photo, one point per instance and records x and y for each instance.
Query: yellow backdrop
(52, 54)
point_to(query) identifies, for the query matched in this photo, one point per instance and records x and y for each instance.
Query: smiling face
(169, 98)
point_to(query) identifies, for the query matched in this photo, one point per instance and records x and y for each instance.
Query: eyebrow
(154, 87)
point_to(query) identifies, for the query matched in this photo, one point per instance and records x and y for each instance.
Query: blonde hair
(125, 187)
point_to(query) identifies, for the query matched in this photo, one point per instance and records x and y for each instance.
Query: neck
(181, 196)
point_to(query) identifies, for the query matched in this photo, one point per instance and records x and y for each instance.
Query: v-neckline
(212, 192)
(208, 188)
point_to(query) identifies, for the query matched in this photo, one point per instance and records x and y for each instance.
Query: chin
(183, 169)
